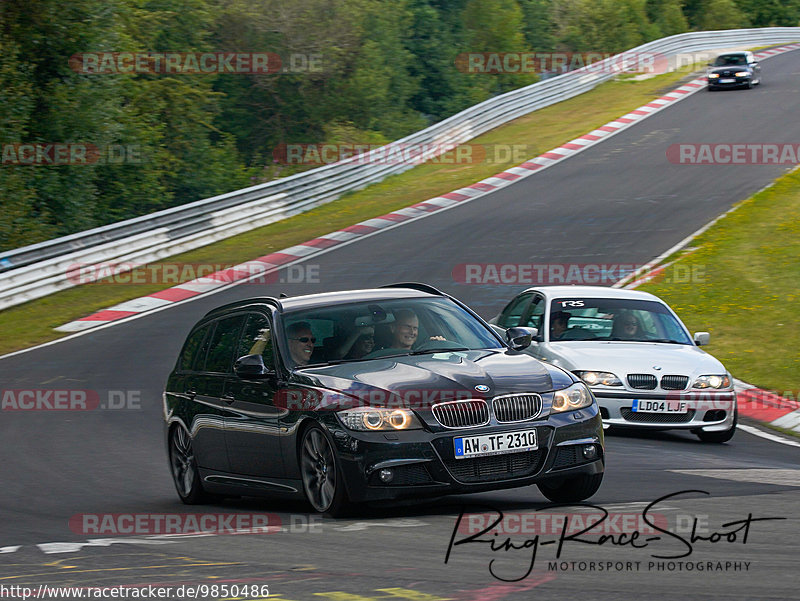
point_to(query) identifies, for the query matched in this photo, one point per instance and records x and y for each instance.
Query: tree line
(348, 72)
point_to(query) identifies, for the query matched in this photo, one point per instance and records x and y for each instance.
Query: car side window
(192, 348)
(223, 343)
(512, 314)
(533, 316)
(257, 339)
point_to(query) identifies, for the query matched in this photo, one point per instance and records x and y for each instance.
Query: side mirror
(520, 338)
(701, 338)
(251, 367)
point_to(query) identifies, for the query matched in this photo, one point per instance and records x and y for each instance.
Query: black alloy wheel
(322, 479)
(184, 468)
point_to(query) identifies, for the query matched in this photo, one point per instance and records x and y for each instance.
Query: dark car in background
(369, 395)
(734, 70)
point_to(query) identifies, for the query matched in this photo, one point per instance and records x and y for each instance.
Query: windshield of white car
(614, 319)
(368, 330)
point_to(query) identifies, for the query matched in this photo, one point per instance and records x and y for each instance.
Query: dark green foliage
(386, 68)
(771, 13)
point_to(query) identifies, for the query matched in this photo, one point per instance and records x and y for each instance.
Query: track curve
(621, 201)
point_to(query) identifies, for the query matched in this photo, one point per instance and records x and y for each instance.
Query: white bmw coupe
(633, 351)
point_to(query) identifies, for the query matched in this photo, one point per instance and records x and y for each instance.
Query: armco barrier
(41, 269)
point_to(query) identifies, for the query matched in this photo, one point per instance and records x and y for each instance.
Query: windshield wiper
(340, 361)
(332, 362)
(665, 340)
(439, 350)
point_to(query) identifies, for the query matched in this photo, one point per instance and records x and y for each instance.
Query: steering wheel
(577, 334)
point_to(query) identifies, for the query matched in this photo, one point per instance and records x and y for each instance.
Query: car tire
(720, 437)
(183, 467)
(571, 490)
(323, 483)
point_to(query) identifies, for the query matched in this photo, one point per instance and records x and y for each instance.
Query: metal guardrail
(40, 269)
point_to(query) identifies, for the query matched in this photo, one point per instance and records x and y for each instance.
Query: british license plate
(495, 444)
(645, 406)
(727, 81)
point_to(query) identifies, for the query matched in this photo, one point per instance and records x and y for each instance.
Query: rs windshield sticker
(570, 303)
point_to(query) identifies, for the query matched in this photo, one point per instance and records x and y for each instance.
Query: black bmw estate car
(348, 397)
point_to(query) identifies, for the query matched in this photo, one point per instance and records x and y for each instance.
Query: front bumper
(423, 462)
(730, 82)
(711, 411)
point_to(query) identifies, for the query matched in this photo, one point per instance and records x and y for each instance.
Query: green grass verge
(33, 322)
(741, 282)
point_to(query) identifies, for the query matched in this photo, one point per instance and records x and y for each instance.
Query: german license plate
(645, 406)
(727, 81)
(495, 444)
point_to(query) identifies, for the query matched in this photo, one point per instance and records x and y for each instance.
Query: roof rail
(246, 301)
(416, 286)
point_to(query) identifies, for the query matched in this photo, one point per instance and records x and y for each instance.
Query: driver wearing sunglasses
(301, 342)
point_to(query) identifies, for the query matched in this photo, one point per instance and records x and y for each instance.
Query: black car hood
(435, 377)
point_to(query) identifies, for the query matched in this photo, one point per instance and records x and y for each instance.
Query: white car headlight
(713, 75)
(370, 419)
(576, 396)
(598, 378)
(713, 381)
(742, 73)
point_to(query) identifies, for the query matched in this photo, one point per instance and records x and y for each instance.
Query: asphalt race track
(620, 201)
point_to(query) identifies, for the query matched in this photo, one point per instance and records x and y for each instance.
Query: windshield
(369, 330)
(614, 319)
(730, 59)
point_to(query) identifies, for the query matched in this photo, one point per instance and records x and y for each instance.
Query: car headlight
(713, 381)
(370, 419)
(598, 378)
(576, 396)
(713, 75)
(742, 74)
